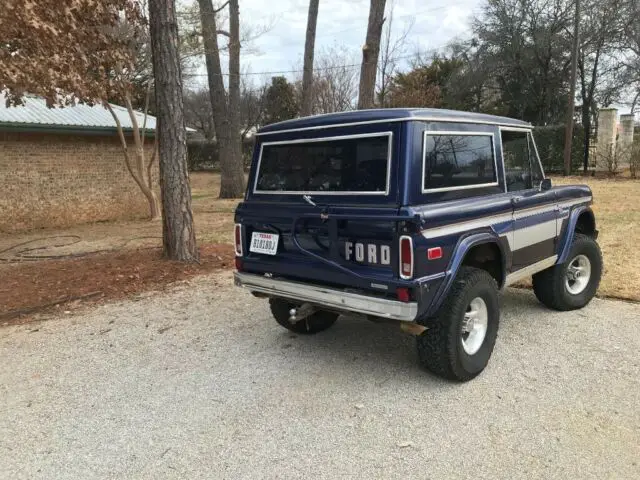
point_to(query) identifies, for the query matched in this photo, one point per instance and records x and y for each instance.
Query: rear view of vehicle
(319, 230)
(417, 217)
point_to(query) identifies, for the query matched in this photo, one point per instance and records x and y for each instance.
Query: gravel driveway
(201, 383)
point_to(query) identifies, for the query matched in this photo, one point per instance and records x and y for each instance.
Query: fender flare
(570, 232)
(462, 248)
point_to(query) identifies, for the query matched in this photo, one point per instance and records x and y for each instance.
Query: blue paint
(313, 238)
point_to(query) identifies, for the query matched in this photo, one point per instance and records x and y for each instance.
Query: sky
(344, 23)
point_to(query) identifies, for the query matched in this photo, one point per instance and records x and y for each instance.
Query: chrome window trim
(413, 259)
(387, 134)
(535, 147)
(395, 120)
(460, 133)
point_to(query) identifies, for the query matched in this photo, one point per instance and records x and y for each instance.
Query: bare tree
(138, 165)
(335, 84)
(391, 48)
(601, 26)
(135, 87)
(370, 53)
(309, 47)
(225, 107)
(252, 104)
(197, 111)
(178, 233)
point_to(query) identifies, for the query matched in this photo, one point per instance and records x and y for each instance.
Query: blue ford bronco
(414, 216)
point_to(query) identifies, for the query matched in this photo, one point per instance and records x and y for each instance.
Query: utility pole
(568, 137)
(309, 47)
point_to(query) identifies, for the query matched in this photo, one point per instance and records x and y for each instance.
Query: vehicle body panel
(320, 236)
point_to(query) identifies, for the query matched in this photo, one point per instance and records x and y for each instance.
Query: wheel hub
(474, 326)
(578, 275)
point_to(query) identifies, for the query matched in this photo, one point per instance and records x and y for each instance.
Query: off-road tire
(315, 323)
(440, 347)
(549, 285)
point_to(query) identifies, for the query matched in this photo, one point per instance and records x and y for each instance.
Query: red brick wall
(53, 180)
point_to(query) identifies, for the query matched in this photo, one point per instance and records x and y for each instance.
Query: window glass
(536, 170)
(521, 167)
(351, 165)
(515, 150)
(458, 161)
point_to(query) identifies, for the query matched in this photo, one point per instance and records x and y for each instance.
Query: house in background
(64, 166)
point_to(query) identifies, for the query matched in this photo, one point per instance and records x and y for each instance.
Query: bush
(550, 143)
(205, 156)
(202, 156)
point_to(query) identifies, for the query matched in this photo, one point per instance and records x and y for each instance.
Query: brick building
(64, 166)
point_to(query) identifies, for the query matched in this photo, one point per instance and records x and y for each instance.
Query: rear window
(338, 165)
(454, 161)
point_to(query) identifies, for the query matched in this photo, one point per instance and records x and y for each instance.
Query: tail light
(403, 294)
(406, 257)
(238, 239)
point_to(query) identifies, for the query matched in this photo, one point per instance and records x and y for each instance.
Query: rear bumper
(331, 298)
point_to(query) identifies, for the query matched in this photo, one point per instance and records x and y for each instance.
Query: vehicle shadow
(381, 350)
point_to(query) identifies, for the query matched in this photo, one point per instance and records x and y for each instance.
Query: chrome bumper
(330, 298)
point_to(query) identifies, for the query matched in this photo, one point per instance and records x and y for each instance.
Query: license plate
(266, 243)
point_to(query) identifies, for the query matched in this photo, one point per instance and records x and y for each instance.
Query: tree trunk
(586, 124)
(234, 188)
(309, 48)
(224, 119)
(370, 53)
(144, 183)
(178, 234)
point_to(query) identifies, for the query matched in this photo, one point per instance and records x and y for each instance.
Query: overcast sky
(343, 22)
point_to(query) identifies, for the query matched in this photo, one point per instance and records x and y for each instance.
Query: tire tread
(548, 285)
(436, 347)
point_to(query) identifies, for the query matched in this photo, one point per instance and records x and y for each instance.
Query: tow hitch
(298, 314)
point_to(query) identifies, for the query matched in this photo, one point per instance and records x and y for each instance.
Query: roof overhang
(66, 129)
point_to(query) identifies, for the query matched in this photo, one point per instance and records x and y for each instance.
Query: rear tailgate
(331, 202)
(340, 246)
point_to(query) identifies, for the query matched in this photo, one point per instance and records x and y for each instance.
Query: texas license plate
(266, 243)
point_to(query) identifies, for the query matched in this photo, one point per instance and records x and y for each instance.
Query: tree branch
(123, 141)
(136, 135)
(152, 160)
(223, 32)
(146, 110)
(219, 9)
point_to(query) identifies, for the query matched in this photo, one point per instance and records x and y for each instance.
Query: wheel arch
(480, 250)
(581, 220)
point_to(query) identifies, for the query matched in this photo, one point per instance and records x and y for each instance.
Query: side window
(536, 170)
(517, 160)
(458, 160)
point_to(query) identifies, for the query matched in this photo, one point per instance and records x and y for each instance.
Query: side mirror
(545, 185)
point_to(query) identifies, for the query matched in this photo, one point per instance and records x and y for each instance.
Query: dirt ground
(116, 259)
(617, 209)
(47, 269)
(34, 287)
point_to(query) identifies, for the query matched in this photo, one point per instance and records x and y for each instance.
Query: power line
(195, 13)
(334, 67)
